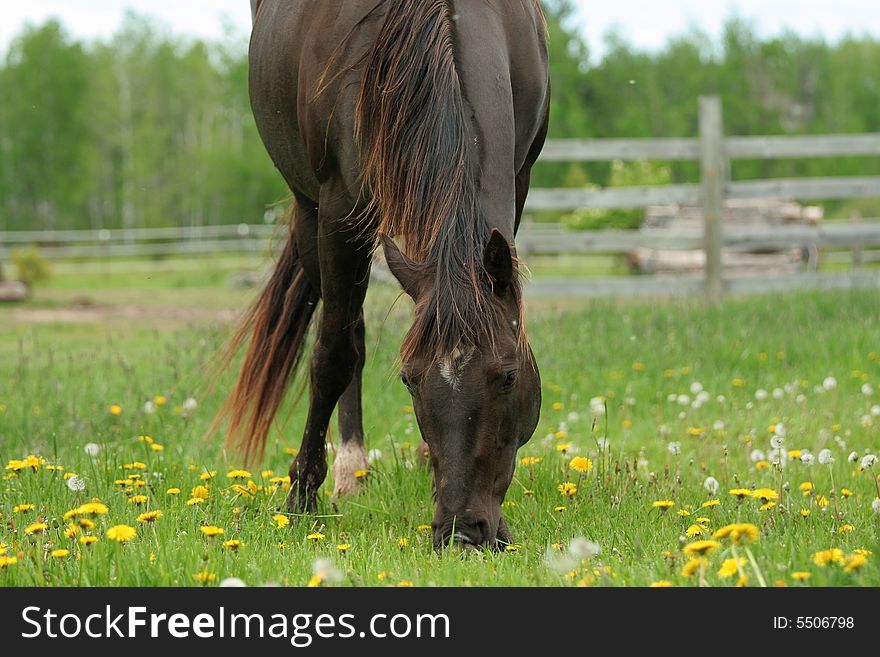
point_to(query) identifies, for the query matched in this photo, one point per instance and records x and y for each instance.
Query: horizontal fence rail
(712, 149)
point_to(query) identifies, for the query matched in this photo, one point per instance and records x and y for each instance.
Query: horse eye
(509, 381)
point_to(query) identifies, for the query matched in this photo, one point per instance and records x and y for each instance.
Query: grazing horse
(418, 120)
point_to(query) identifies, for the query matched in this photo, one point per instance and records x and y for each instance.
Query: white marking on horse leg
(350, 458)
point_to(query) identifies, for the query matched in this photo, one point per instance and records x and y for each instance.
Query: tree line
(153, 129)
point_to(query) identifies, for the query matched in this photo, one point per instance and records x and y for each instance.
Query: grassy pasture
(621, 384)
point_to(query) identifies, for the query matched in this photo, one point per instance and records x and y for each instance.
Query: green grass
(58, 380)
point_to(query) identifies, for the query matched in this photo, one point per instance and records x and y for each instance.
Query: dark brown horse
(419, 120)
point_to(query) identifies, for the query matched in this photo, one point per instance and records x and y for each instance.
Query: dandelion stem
(755, 568)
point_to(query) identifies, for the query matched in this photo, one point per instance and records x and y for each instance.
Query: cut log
(13, 291)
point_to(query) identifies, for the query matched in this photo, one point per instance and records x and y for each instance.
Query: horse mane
(419, 164)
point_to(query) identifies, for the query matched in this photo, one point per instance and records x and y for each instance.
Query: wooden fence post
(712, 176)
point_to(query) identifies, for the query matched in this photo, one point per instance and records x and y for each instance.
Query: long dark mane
(419, 163)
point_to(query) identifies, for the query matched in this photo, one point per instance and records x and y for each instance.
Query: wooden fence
(711, 149)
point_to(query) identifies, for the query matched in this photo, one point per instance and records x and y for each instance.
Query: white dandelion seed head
(583, 548)
(674, 448)
(749, 406)
(326, 570)
(597, 405)
(232, 582)
(560, 563)
(76, 483)
(630, 401)
(671, 397)
(718, 425)
(830, 383)
(826, 457)
(683, 400)
(800, 399)
(664, 430)
(757, 455)
(603, 444)
(374, 455)
(150, 407)
(789, 388)
(190, 405)
(777, 442)
(563, 426)
(573, 417)
(697, 404)
(682, 415)
(853, 457)
(780, 430)
(696, 388)
(761, 394)
(711, 485)
(866, 421)
(807, 458)
(92, 449)
(875, 411)
(721, 399)
(876, 506)
(868, 461)
(703, 397)
(778, 393)
(867, 390)
(840, 442)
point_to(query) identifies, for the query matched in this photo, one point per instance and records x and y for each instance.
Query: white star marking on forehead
(452, 366)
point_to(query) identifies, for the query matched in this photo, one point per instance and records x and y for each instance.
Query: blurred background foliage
(154, 129)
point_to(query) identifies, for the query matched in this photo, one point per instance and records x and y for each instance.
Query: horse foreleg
(351, 458)
(344, 258)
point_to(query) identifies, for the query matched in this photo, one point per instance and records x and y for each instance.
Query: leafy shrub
(32, 267)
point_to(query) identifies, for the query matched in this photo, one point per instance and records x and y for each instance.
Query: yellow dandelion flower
(71, 530)
(700, 548)
(822, 501)
(739, 383)
(211, 530)
(36, 528)
(281, 521)
(59, 554)
(825, 557)
(762, 465)
(149, 516)
(731, 567)
(23, 508)
(767, 506)
(511, 548)
(864, 552)
(402, 543)
(568, 489)
(204, 577)
(563, 447)
(660, 584)
(738, 532)
(200, 491)
(806, 487)
(703, 521)
(805, 513)
(845, 529)
(343, 547)
(740, 493)
(845, 492)
(405, 584)
(558, 406)
(115, 409)
(194, 501)
(710, 503)
(853, 562)
(801, 575)
(85, 523)
(315, 581)
(560, 508)
(172, 491)
(424, 528)
(765, 494)
(693, 565)
(694, 530)
(238, 474)
(360, 474)
(208, 475)
(696, 431)
(315, 536)
(663, 505)
(531, 460)
(580, 464)
(742, 582)
(156, 447)
(159, 400)
(684, 513)
(561, 434)
(121, 533)
(138, 499)
(232, 544)
(88, 540)
(7, 561)
(794, 453)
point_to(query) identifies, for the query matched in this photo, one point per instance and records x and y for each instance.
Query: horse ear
(404, 269)
(498, 261)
